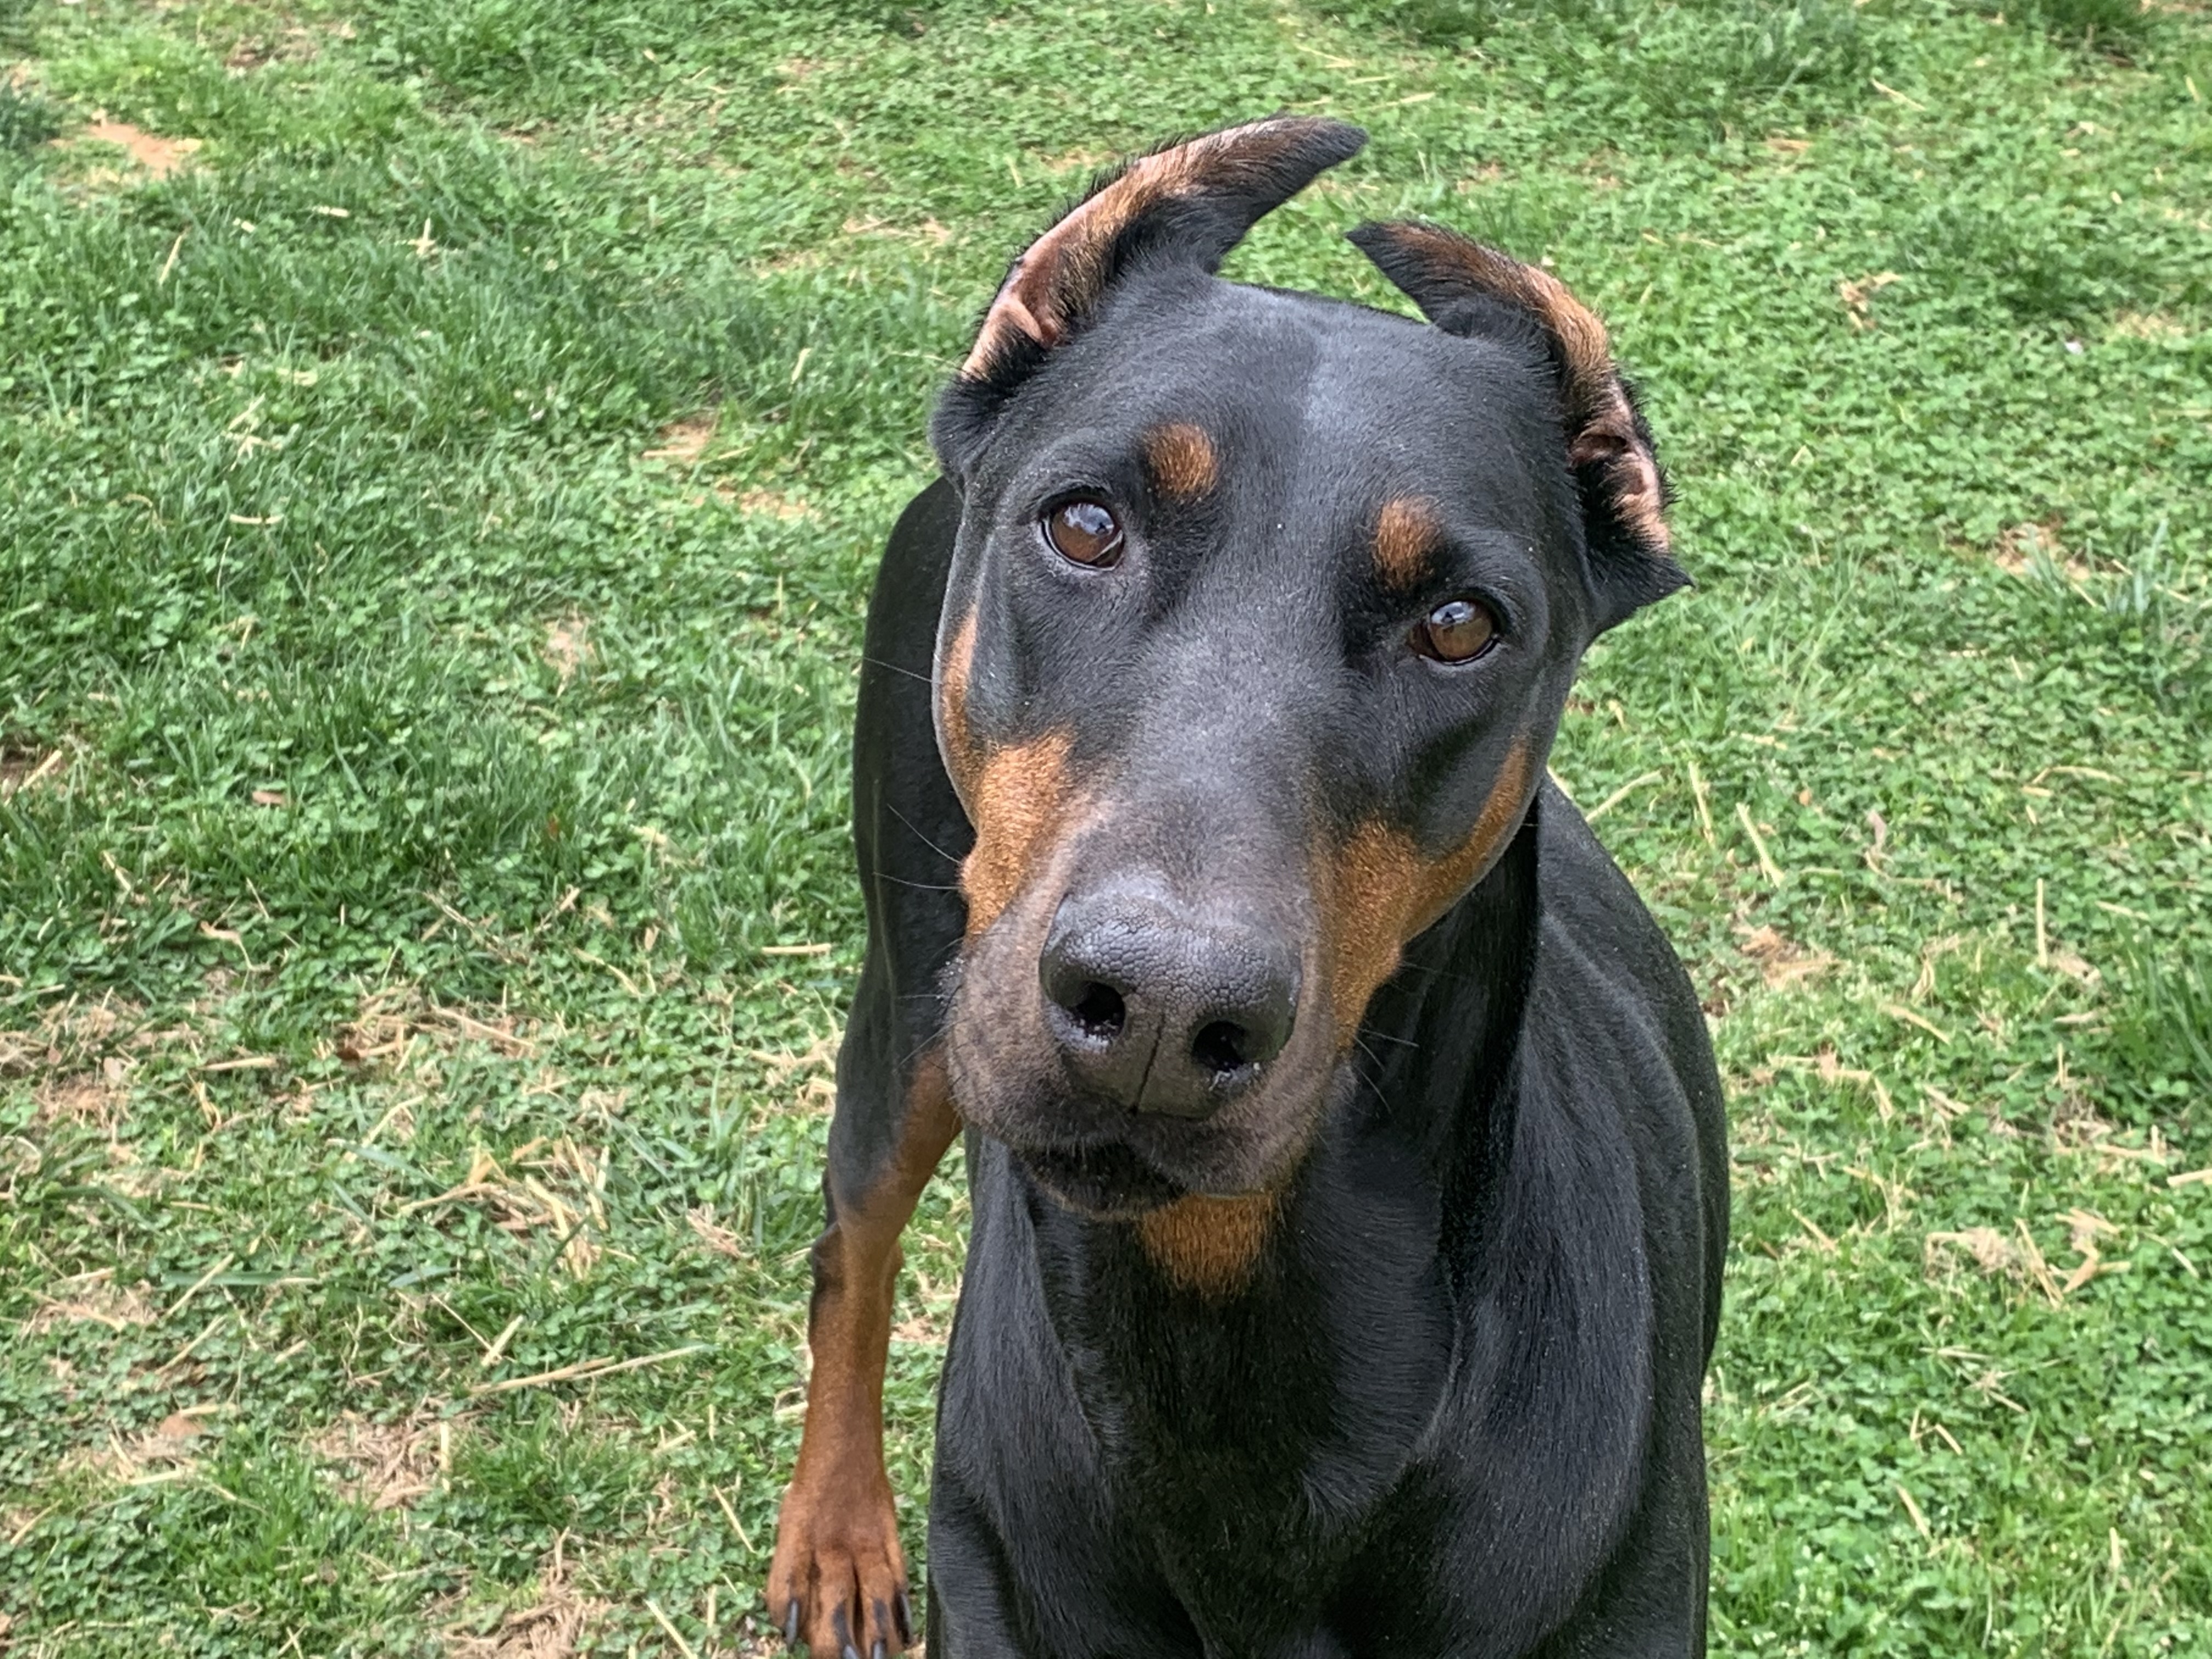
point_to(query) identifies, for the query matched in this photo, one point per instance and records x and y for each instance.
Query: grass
(436, 505)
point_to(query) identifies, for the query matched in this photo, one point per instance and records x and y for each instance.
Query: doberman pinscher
(1344, 1139)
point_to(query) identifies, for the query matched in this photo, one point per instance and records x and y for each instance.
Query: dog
(1345, 1144)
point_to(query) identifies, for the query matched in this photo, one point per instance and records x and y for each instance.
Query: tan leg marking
(1209, 1245)
(837, 1551)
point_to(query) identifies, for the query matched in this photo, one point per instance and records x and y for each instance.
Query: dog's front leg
(838, 1580)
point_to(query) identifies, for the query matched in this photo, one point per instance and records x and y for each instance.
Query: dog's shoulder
(1627, 1036)
(1602, 946)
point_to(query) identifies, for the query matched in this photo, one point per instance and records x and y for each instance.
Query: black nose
(1159, 1011)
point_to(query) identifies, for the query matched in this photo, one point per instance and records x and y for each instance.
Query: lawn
(443, 447)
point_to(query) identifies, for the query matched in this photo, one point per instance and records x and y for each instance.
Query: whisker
(896, 668)
(1403, 1042)
(1440, 972)
(918, 836)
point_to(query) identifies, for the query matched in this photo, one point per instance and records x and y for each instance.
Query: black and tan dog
(1346, 1148)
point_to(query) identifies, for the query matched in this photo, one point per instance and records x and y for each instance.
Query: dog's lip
(1104, 1179)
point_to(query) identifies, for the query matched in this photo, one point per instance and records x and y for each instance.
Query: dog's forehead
(1282, 383)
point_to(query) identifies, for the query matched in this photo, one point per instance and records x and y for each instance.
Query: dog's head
(1262, 614)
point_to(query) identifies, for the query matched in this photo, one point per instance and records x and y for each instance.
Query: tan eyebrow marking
(1182, 460)
(1406, 534)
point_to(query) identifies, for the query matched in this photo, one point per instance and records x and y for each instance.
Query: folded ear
(1187, 204)
(1465, 288)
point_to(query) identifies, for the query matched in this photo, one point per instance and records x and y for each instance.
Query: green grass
(418, 750)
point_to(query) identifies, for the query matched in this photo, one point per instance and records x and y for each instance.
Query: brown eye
(1458, 630)
(1085, 531)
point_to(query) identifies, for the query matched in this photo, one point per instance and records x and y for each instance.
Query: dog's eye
(1458, 630)
(1085, 531)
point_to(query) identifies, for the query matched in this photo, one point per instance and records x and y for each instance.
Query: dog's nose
(1161, 1011)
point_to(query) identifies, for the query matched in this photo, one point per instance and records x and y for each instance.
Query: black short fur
(1453, 1408)
(1460, 1415)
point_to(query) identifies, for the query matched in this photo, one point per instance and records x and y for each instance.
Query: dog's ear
(1465, 288)
(1187, 204)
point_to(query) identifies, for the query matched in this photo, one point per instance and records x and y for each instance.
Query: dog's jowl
(1346, 1148)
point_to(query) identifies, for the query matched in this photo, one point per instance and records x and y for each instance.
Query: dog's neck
(1443, 1038)
(1353, 1292)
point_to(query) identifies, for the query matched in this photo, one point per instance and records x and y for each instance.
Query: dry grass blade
(586, 1370)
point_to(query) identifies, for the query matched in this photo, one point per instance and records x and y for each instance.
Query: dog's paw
(838, 1581)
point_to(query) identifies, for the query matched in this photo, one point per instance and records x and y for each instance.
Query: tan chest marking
(1209, 1245)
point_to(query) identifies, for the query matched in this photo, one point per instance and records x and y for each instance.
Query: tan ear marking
(1437, 266)
(1055, 283)
(1405, 533)
(1582, 337)
(1181, 461)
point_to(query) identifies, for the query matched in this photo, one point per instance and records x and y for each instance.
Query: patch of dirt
(2018, 1257)
(168, 1445)
(1076, 161)
(2147, 326)
(553, 1183)
(389, 1020)
(773, 504)
(1781, 962)
(1858, 296)
(2016, 550)
(796, 258)
(1988, 1248)
(151, 152)
(75, 1035)
(552, 1627)
(714, 1236)
(24, 768)
(297, 44)
(2077, 968)
(567, 646)
(807, 1076)
(754, 1642)
(93, 1299)
(928, 231)
(387, 1465)
(683, 442)
(94, 1096)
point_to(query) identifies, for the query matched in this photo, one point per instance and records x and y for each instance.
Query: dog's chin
(1108, 1182)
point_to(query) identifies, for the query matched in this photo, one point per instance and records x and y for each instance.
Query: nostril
(1099, 1011)
(1222, 1047)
